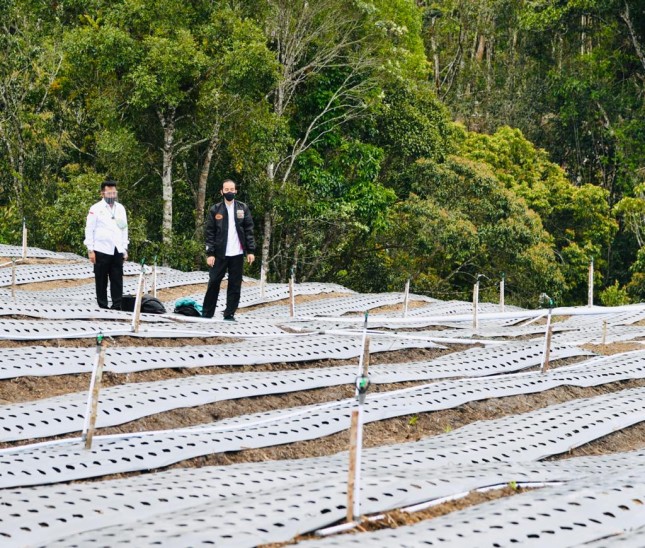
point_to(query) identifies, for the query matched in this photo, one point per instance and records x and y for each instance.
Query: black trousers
(109, 267)
(234, 266)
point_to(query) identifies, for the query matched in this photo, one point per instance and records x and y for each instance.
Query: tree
(168, 77)
(577, 217)
(331, 48)
(30, 139)
(458, 221)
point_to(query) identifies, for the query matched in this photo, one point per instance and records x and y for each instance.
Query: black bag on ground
(187, 310)
(152, 305)
(188, 307)
(149, 305)
(127, 303)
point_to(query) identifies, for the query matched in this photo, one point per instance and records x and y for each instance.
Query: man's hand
(250, 258)
(125, 255)
(210, 261)
(92, 257)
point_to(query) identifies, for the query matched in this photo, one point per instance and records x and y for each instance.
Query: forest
(375, 141)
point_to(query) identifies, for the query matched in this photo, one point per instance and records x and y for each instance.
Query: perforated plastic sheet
(252, 295)
(491, 332)
(57, 512)
(35, 253)
(45, 361)
(529, 436)
(120, 404)
(25, 330)
(41, 273)
(629, 317)
(64, 311)
(335, 306)
(42, 361)
(558, 516)
(595, 335)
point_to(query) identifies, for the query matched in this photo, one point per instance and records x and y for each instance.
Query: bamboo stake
(351, 479)
(24, 239)
(366, 357)
(154, 279)
(547, 343)
(501, 292)
(292, 299)
(356, 432)
(590, 292)
(476, 304)
(406, 298)
(136, 316)
(95, 386)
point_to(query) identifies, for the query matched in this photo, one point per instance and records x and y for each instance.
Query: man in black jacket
(229, 236)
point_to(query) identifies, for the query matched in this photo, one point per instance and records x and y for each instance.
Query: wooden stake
(476, 304)
(292, 299)
(590, 292)
(24, 239)
(501, 293)
(364, 344)
(604, 332)
(366, 356)
(95, 386)
(137, 303)
(351, 479)
(547, 343)
(406, 298)
(154, 280)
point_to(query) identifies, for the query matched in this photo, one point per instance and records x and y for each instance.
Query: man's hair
(229, 181)
(107, 183)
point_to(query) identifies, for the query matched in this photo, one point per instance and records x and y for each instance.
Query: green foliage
(335, 118)
(636, 286)
(459, 222)
(577, 217)
(614, 295)
(411, 124)
(10, 225)
(66, 216)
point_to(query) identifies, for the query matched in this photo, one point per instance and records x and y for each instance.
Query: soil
(391, 431)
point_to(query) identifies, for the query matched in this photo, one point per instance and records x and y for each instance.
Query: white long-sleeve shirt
(106, 228)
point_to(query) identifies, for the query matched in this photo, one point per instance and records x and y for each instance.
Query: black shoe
(230, 318)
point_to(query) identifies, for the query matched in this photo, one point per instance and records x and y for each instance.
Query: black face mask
(110, 200)
(230, 196)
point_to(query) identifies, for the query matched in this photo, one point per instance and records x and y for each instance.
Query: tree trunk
(632, 34)
(200, 198)
(268, 227)
(266, 245)
(168, 151)
(481, 48)
(435, 56)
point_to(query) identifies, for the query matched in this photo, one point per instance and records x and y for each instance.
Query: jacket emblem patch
(219, 217)
(240, 214)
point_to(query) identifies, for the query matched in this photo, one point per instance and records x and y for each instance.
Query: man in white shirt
(106, 239)
(229, 236)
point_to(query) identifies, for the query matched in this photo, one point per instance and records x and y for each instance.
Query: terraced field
(237, 434)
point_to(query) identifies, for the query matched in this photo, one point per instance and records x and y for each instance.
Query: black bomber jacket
(216, 230)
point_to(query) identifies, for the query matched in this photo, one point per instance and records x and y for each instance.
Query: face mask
(229, 195)
(110, 200)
